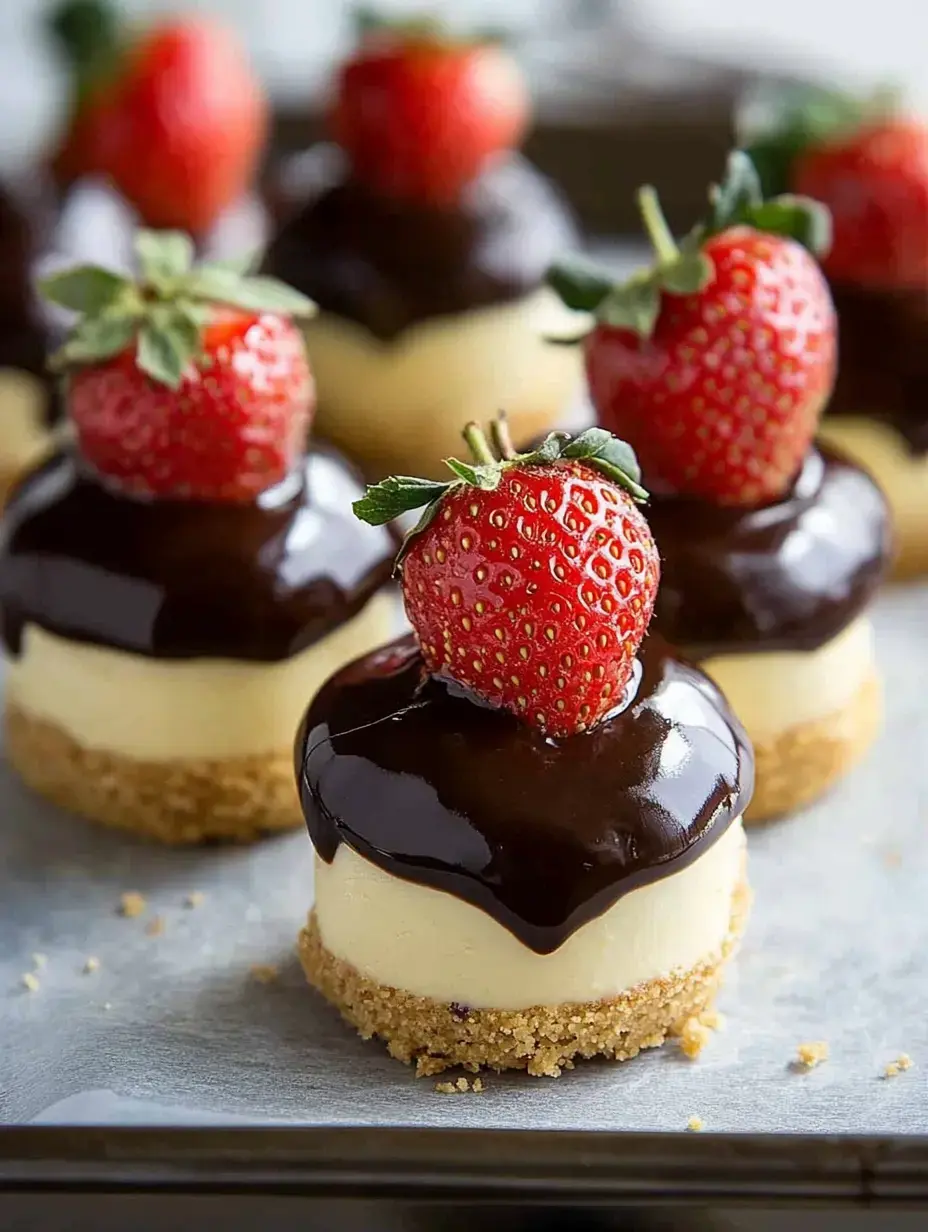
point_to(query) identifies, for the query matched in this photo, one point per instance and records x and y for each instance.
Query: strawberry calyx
(90, 36)
(781, 126)
(684, 268)
(491, 458)
(164, 312)
(422, 30)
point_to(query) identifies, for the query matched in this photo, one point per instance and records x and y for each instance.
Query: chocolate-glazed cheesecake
(496, 883)
(161, 627)
(431, 311)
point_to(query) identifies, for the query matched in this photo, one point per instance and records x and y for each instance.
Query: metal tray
(174, 1030)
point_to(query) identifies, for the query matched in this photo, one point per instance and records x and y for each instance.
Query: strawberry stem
(656, 226)
(501, 438)
(477, 443)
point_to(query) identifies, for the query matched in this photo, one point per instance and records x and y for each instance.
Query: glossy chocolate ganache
(786, 576)
(180, 579)
(883, 368)
(543, 835)
(388, 264)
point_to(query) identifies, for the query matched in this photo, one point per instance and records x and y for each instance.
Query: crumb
(446, 1088)
(694, 1036)
(712, 1019)
(155, 926)
(462, 1084)
(460, 1087)
(264, 973)
(92, 964)
(39, 961)
(894, 1068)
(695, 1124)
(811, 1054)
(892, 859)
(195, 899)
(30, 982)
(132, 903)
(478, 1088)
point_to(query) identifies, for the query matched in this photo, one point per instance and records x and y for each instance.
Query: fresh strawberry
(175, 118)
(420, 116)
(867, 162)
(716, 363)
(529, 580)
(191, 383)
(875, 182)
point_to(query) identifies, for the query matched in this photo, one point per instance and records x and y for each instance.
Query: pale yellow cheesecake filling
(902, 475)
(399, 406)
(161, 710)
(24, 435)
(773, 691)
(429, 943)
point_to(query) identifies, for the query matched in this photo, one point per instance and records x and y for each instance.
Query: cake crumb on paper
(695, 1124)
(264, 973)
(712, 1019)
(195, 899)
(30, 982)
(460, 1086)
(132, 904)
(91, 965)
(811, 1054)
(694, 1035)
(155, 927)
(39, 961)
(894, 1068)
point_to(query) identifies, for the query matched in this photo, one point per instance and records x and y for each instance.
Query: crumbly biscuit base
(185, 801)
(543, 1039)
(800, 764)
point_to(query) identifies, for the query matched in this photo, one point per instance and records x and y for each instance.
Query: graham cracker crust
(803, 762)
(178, 802)
(542, 1040)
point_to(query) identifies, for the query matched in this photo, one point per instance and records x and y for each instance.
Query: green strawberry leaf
(385, 501)
(164, 353)
(483, 476)
(547, 452)
(87, 289)
(579, 283)
(95, 339)
(240, 265)
(164, 256)
(634, 306)
(613, 457)
(739, 190)
(688, 274)
(802, 219)
(258, 294)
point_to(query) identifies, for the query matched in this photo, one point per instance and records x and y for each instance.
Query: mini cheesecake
(489, 896)
(160, 651)
(773, 603)
(878, 414)
(428, 315)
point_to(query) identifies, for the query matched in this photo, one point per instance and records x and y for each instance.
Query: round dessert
(771, 551)
(869, 165)
(429, 274)
(528, 848)
(174, 584)
(28, 393)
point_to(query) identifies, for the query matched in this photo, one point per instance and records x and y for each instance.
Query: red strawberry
(175, 118)
(875, 182)
(530, 580)
(717, 363)
(420, 116)
(192, 383)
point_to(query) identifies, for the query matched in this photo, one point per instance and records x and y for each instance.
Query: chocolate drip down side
(387, 265)
(544, 836)
(180, 579)
(787, 576)
(883, 360)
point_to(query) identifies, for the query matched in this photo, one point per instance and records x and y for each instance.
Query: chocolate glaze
(883, 369)
(438, 789)
(388, 264)
(25, 334)
(185, 579)
(788, 576)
